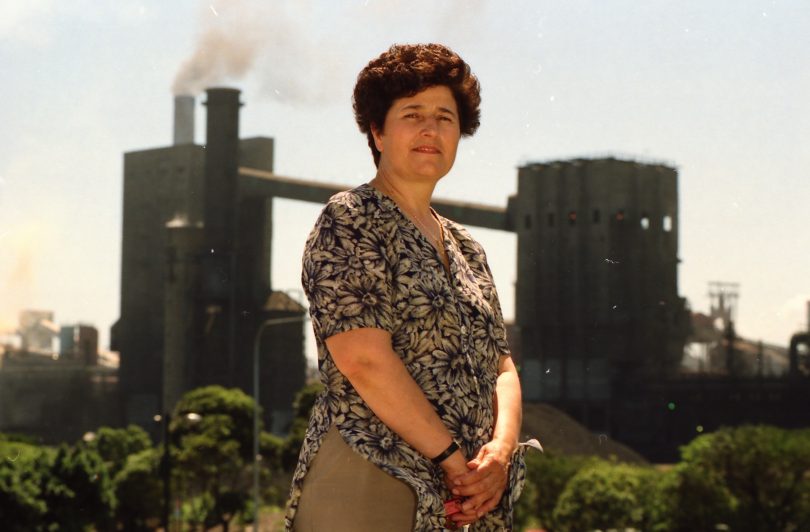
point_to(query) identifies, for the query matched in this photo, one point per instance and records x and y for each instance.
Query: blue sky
(718, 89)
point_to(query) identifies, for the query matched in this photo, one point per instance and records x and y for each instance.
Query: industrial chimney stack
(221, 168)
(183, 119)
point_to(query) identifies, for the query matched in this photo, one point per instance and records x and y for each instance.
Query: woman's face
(420, 135)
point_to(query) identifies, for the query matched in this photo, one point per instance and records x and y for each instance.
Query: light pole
(165, 468)
(166, 464)
(257, 340)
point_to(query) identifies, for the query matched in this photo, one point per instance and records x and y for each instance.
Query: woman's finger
(491, 486)
(491, 504)
(475, 502)
(483, 483)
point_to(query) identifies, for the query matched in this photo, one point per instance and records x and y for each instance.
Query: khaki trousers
(344, 492)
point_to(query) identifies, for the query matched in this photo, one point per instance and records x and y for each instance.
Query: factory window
(645, 221)
(620, 215)
(667, 223)
(572, 217)
(551, 219)
(596, 216)
(527, 221)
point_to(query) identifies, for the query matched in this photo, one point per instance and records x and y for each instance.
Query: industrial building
(597, 294)
(195, 272)
(599, 320)
(55, 396)
(79, 342)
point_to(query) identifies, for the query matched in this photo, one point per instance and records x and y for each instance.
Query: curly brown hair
(406, 69)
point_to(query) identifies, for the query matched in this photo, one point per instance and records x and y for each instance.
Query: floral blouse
(366, 265)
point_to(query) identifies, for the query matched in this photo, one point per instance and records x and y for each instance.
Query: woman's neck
(412, 196)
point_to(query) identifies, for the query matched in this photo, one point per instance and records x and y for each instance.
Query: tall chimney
(221, 168)
(183, 119)
(219, 220)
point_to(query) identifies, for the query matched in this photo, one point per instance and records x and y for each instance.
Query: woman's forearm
(508, 405)
(366, 359)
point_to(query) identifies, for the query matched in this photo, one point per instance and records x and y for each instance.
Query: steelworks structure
(600, 322)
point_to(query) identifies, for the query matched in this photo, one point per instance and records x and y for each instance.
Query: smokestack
(183, 119)
(221, 169)
(219, 219)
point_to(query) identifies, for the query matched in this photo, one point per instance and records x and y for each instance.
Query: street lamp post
(165, 469)
(257, 340)
(166, 462)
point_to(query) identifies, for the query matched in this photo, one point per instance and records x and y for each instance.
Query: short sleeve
(345, 274)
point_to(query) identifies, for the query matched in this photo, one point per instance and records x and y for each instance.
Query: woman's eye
(445, 118)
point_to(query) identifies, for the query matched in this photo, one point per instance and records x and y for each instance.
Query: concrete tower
(597, 297)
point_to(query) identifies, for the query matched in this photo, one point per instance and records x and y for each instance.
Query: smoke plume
(297, 50)
(243, 36)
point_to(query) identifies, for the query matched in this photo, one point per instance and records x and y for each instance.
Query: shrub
(765, 471)
(607, 495)
(693, 499)
(21, 508)
(546, 477)
(116, 445)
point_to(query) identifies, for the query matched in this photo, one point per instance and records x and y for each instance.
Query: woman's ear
(377, 135)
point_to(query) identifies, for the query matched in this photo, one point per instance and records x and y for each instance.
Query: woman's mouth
(427, 149)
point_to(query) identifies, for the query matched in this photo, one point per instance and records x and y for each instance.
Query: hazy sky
(717, 88)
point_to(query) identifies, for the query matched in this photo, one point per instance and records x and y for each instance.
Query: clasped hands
(479, 482)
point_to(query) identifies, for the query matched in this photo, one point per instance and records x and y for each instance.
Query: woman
(422, 401)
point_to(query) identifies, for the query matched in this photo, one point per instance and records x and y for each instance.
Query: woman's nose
(430, 126)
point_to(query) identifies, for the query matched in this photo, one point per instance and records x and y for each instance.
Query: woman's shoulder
(359, 212)
(353, 197)
(359, 201)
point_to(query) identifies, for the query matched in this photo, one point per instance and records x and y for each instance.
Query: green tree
(225, 413)
(765, 470)
(139, 491)
(77, 490)
(21, 508)
(213, 449)
(115, 445)
(607, 495)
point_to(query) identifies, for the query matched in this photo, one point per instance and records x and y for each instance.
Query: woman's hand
(483, 485)
(455, 467)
